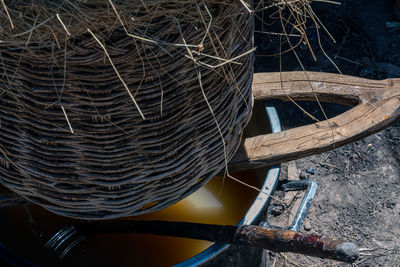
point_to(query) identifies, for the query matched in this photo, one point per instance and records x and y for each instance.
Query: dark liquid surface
(24, 230)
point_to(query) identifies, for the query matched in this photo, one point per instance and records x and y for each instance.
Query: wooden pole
(245, 235)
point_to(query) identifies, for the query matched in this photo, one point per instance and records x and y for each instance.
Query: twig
(324, 164)
(116, 71)
(33, 28)
(66, 117)
(8, 14)
(62, 23)
(246, 6)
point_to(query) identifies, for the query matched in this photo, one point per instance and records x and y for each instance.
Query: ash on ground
(358, 197)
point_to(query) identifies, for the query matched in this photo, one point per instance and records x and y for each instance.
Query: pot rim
(256, 209)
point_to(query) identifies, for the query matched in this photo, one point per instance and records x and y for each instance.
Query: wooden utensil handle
(247, 235)
(378, 106)
(291, 241)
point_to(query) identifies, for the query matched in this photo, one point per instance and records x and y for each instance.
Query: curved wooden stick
(378, 106)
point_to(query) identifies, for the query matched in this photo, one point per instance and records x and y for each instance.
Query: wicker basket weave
(71, 138)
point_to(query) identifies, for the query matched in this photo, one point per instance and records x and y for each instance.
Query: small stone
(304, 175)
(307, 226)
(353, 156)
(276, 210)
(390, 205)
(271, 255)
(310, 171)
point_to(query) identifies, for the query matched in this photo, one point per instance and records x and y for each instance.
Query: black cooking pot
(265, 119)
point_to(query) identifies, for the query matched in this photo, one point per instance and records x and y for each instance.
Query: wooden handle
(291, 241)
(378, 106)
(245, 235)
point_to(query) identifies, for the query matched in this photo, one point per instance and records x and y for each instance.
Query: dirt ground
(358, 197)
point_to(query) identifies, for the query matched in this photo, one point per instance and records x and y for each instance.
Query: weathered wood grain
(378, 106)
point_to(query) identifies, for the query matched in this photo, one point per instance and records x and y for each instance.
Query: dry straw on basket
(117, 108)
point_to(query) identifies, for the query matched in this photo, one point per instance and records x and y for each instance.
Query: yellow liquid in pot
(211, 204)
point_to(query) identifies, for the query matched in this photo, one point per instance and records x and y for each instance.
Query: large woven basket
(72, 138)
